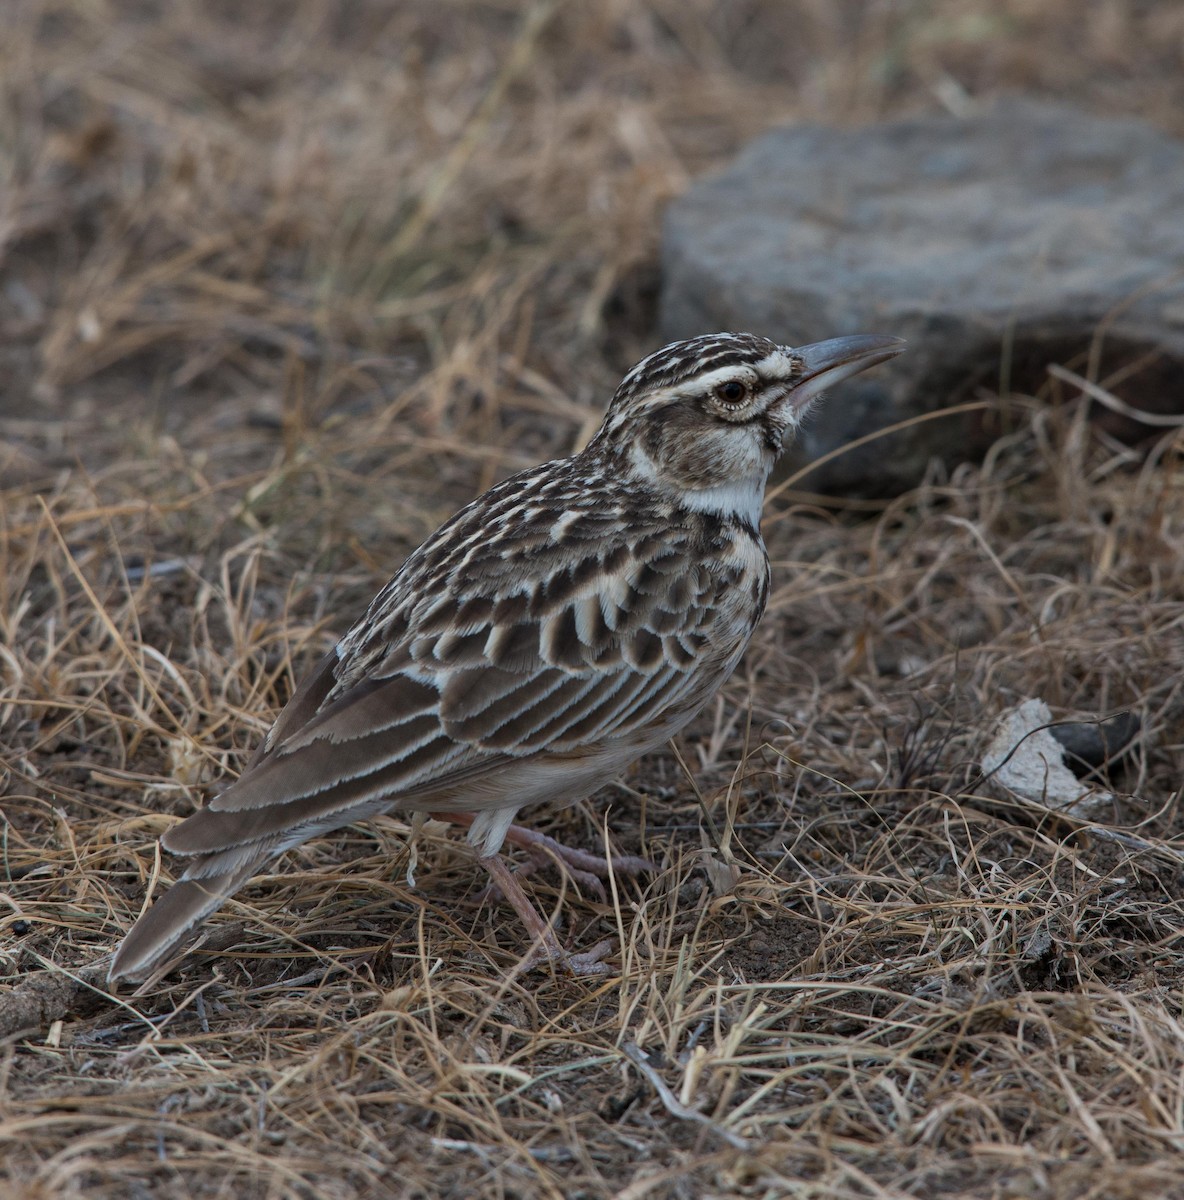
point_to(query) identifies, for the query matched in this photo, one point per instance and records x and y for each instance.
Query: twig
(1109, 400)
(671, 1102)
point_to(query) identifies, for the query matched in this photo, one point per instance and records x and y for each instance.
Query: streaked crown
(681, 362)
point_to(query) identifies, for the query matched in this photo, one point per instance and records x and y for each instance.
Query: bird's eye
(731, 391)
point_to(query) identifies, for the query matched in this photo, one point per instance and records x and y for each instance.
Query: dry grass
(281, 286)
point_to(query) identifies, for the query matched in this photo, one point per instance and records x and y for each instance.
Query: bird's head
(707, 418)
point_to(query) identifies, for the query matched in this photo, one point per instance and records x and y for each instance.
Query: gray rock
(996, 245)
(1093, 744)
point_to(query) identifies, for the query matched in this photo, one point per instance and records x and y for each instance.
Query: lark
(564, 623)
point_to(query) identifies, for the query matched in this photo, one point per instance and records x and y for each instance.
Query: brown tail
(199, 892)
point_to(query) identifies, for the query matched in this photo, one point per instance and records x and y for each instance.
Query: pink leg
(547, 944)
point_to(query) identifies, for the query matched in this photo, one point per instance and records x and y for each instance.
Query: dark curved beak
(826, 363)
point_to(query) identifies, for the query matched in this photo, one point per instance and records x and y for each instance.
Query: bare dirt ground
(283, 284)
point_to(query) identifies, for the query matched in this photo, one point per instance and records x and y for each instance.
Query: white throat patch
(740, 499)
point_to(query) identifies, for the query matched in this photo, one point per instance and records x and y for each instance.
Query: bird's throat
(737, 500)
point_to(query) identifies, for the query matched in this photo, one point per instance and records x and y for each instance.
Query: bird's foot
(585, 964)
(547, 948)
(587, 870)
